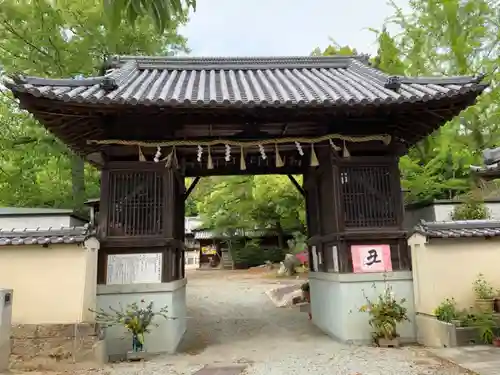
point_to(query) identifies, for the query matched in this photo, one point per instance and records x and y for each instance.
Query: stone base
(166, 335)
(336, 299)
(54, 342)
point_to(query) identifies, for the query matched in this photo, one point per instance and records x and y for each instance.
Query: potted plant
(485, 294)
(496, 306)
(386, 312)
(305, 292)
(496, 341)
(136, 318)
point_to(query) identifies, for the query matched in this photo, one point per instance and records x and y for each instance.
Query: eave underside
(76, 124)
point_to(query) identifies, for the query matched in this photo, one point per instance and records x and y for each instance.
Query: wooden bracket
(191, 188)
(296, 184)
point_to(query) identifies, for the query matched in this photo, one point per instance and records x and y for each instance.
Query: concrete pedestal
(336, 299)
(163, 338)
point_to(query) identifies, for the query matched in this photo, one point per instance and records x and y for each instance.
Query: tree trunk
(281, 239)
(78, 182)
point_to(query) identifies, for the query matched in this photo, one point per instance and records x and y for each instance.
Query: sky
(283, 27)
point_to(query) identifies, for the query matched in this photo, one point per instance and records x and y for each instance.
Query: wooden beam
(191, 187)
(296, 184)
(236, 171)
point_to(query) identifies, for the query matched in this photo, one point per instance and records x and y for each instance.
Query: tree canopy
(164, 13)
(62, 38)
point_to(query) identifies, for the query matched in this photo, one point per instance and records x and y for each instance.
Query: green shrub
(447, 310)
(471, 210)
(251, 254)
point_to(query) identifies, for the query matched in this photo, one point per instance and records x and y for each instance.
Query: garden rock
(290, 263)
(284, 296)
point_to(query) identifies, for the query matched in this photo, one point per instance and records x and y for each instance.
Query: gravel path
(233, 321)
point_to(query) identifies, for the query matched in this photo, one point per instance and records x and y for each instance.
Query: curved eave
(82, 95)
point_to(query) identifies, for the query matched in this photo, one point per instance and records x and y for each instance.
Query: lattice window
(136, 203)
(368, 196)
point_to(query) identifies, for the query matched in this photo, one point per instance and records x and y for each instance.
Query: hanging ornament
(314, 158)
(168, 160)
(243, 165)
(279, 161)
(334, 146)
(199, 154)
(299, 148)
(262, 152)
(171, 160)
(228, 153)
(210, 164)
(346, 153)
(157, 155)
(141, 155)
(175, 162)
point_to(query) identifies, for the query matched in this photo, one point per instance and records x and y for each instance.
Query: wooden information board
(134, 269)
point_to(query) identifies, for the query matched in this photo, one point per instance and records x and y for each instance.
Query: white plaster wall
(43, 222)
(441, 211)
(164, 338)
(447, 268)
(413, 216)
(49, 282)
(336, 299)
(192, 259)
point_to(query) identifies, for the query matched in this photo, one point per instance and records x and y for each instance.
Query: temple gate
(148, 122)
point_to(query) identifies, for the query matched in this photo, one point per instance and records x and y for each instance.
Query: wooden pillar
(173, 266)
(142, 212)
(323, 209)
(354, 201)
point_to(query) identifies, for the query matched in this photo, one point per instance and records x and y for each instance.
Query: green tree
(451, 37)
(59, 39)
(164, 13)
(252, 202)
(334, 49)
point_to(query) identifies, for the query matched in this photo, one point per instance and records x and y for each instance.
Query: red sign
(371, 258)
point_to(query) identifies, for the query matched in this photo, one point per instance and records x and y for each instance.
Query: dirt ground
(232, 321)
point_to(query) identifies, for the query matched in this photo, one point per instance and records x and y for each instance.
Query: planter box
(137, 356)
(385, 343)
(435, 333)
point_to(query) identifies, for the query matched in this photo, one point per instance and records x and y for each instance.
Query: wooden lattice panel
(136, 203)
(368, 196)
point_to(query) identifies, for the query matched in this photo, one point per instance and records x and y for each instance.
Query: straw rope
(385, 138)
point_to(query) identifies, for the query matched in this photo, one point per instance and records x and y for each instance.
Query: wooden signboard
(134, 268)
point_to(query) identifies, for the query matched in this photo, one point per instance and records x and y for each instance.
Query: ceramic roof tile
(245, 82)
(45, 236)
(458, 229)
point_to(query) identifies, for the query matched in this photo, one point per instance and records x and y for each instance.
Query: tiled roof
(491, 168)
(457, 229)
(245, 82)
(45, 236)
